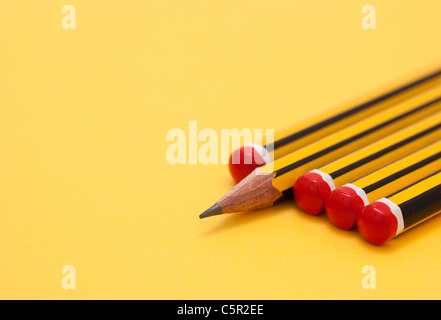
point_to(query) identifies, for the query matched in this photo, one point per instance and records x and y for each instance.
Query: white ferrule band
(263, 152)
(397, 213)
(326, 177)
(359, 191)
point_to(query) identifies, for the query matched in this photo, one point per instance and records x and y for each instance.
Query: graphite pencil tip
(213, 211)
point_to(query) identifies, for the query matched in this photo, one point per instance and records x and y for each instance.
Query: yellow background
(84, 113)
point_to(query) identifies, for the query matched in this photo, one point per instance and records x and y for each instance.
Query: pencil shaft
(348, 140)
(298, 136)
(384, 151)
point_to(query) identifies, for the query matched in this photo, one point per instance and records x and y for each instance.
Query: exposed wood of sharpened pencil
(256, 191)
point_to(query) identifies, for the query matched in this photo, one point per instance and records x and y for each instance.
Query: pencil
(313, 188)
(390, 216)
(245, 159)
(346, 203)
(267, 183)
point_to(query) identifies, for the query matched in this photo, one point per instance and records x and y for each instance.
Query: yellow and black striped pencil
(312, 189)
(346, 203)
(390, 216)
(267, 183)
(245, 159)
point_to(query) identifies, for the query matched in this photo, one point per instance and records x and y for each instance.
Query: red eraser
(343, 206)
(311, 191)
(244, 160)
(376, 223)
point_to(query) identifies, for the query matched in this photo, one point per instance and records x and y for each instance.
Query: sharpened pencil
(266, 184)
